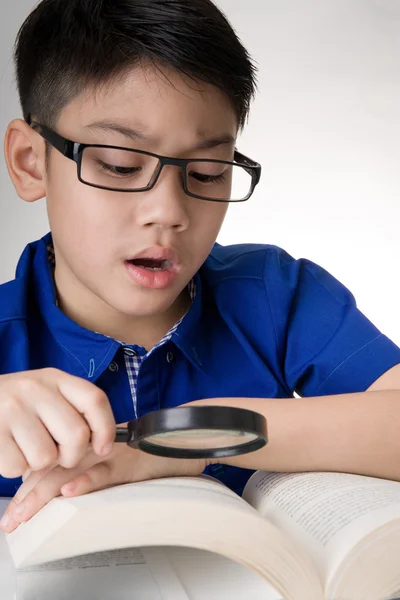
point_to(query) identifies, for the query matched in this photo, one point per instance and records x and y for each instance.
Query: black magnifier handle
(122, 435)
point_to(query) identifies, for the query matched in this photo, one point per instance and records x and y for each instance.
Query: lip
(154, 279)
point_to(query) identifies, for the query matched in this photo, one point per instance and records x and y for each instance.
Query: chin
(141, 308)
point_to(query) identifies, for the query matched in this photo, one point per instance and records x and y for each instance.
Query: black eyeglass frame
(74, 151)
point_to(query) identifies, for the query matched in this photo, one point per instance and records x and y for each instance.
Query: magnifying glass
(196, 432)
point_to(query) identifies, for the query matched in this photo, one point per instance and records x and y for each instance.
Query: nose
(166, 204)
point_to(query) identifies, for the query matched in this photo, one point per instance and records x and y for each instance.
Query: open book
(296, 536)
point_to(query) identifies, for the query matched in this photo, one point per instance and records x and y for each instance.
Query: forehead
(166, 106)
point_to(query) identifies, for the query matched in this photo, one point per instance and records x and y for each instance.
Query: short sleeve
(329, 345)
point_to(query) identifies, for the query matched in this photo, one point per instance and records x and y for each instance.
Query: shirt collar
(190, 335)
(90, 351)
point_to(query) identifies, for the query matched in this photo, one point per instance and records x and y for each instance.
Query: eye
(203, 178)
(119, 171)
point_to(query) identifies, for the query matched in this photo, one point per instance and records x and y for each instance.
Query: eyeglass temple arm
(61, 144)
(254, 171)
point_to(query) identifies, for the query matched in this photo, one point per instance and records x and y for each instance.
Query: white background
(325, 127)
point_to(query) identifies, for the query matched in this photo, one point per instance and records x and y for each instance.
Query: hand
(49, 417)
(124, 465)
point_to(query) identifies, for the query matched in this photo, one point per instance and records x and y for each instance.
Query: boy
(129, 305)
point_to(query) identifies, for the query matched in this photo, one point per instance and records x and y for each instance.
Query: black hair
(65, 46)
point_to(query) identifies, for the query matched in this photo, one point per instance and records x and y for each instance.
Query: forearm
(351, 433)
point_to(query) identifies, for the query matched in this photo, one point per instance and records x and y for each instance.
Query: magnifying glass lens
(200, 439)
(196, 432)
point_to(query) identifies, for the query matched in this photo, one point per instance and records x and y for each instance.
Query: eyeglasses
(127, 170)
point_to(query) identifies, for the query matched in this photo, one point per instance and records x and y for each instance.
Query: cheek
(80, 213)
(211, 216)
(87, 225)
(206, 223)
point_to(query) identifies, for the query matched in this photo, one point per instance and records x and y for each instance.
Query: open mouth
(151, 264)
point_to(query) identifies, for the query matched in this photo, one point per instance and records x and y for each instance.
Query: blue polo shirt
(262, 324)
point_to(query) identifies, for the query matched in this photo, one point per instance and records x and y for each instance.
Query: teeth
(165, 267)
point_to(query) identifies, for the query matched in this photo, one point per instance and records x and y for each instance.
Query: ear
(24, 152)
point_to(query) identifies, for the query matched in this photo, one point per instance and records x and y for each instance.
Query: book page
(209, 576)
(30, 543)
(327, 513)
(143, 574)
(170, 573)
(186, 512)
(126, 574)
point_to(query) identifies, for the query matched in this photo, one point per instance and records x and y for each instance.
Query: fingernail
(106, 449)
(7, 524)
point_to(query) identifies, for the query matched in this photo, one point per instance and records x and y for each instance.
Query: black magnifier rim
(188, 418)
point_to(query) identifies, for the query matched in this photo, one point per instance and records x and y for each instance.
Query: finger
(36, 492)
(30, 480)
(41, 487)
(66, 426)
(26, 475)
(8, 525)
(41, 419)
(96, 478)
(94, 405)
(34, 440)
(12, 460)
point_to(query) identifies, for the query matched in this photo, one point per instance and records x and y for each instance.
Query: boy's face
(97, 232)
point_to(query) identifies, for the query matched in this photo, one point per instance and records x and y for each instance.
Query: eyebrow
(136, 135)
